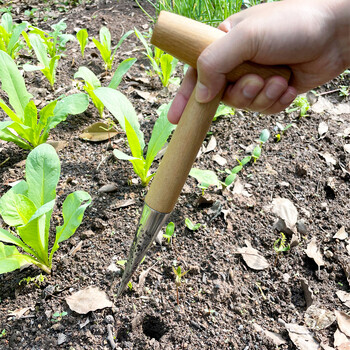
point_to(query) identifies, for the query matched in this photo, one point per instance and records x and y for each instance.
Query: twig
(110, 337)
(328, 92)
(6, 160)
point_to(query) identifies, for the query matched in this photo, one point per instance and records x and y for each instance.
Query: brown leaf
(19, 313)
(313, 252)
(108, 188)
(341, 234)
(57, 145)
(317, 318)
(347, 147)
(344, 297)
(322, 129)
(89, 299)
(276, 338)
(252, 257)
(301, 337)
(328, 158)
(340, 339)
(308, 294)
(343, 322)
(98, 132)
(287, 212)
(123, 203)
(220, 160)
(211, 145)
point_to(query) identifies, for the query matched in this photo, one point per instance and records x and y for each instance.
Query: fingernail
(273, 91)
(250, 91)
(288, 97)
(202, 93)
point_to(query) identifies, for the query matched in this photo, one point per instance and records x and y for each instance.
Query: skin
(312, 37)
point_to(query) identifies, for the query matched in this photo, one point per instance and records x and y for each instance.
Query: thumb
(219, 58)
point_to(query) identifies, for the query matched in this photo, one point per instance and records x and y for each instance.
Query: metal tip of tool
(151, 222)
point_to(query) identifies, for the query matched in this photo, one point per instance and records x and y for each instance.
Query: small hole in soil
(122, 334)
(153, 327)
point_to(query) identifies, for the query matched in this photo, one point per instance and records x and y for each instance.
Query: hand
(310, 36)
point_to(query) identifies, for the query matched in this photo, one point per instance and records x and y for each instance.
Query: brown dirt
(221, 298)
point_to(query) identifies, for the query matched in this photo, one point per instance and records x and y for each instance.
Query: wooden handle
(181, 153)
(185, 39)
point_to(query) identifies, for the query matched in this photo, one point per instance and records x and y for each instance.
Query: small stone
(286, 277)
(301, 227)
(109, 319)
(328, 254)
(87, 234)
(62, 338)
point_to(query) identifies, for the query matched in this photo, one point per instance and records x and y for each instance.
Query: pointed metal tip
(151, 222)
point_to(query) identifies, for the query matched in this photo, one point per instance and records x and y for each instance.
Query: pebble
(328, 254)
(62, 338)
(109, 319)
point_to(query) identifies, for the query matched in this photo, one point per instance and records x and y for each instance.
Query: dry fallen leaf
(301, 337)
(220, 160)
(150, 97)
(341, 234)
(317, 318)
(19, 313)
(98, 132)
(123, 203)
(252, 257)
(89, 299)
(340, 339)
(308, 294)
(313, 252)
(328, 158)
(343, 322)
(108, 188)
(57, 145)
(276, 338)
(347, 147)
(211, 145)
(344, 297)
(322, 129)
(287, 213)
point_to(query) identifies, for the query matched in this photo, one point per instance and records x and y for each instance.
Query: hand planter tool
(185, 39)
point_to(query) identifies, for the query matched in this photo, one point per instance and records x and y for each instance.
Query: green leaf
(83, 38)
(13, 43)
(11, 259)
(105, 53)
(223, 110)
(42, 174)
(120, 72)
(121, 41)
(105, 38)
(7, 135)
(230, 179)
(88, 76)
(264, 136)
(245, 160)
(166, 67)
(169, 231)
(205, 178)
(190, 225)
(13, 84)
(237, 169)
(160, 134)
(7, 237)
(73, 209)
(39, 49)
(120, 107)
(256, 152)
(6, 22)
(123, 156)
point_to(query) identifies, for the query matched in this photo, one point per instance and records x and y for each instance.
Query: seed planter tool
(184, 39)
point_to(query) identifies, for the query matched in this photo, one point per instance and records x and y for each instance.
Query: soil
(221, 299)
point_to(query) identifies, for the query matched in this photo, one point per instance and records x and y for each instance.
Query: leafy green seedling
(282, 130)
(205, 178)
(162, 63)
(104, 46)
(57, 316)
(3, 333)
(300, 103)
(130, 286)
(92, 82)
(55, 42)
(31, 13)
(169, 232)
(223, 110)
(178, 280)
(344, 91)
(10, 34)
(123, 111)
(28, 208)
(191, 226)
(280, 246)
(264, 136)
(83, 39)
(25, 129)
(37, 280)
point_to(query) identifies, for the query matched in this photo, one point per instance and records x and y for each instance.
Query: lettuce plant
(83, 39)
(123, 111)
(24, 128)
(9, 35)
(104, 46)
(92, 82)
(28, 207)
(162, 63)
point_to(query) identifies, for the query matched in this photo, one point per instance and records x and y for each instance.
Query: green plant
(57, 316)
(92, 82)
(282, 129)
(205, 178)
(3, 333)
(28, 208)
(169, 232)
(280, 246)
(300, 103)
(37, 280)
(264, 136)
(162, 63)
(25, 129)
(6, 9)
(83, 39)
(344, 91)
(104, 46)
(191, 226)
(178, 280)
(123, 111)
(9, 35)
(223, 110)
(47, 65)
(55, 42)
(31, 13)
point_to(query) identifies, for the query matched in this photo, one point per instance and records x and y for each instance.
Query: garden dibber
(184, 39)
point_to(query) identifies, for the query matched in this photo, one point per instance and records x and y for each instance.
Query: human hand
(302, 34)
